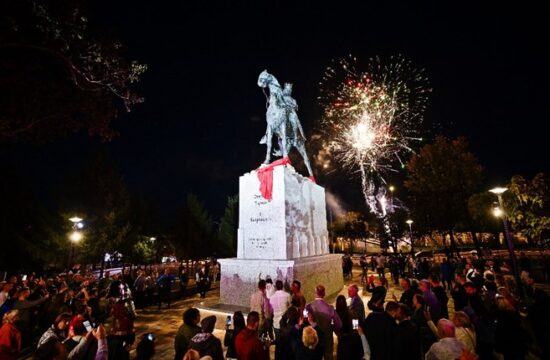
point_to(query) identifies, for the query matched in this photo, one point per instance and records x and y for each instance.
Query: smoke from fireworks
(371, 117)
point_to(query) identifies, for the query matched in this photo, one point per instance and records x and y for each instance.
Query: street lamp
(500, 211)
(75, 219)
(410, 222)
(75, 236)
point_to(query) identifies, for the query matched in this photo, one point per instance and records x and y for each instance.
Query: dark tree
(100, 194)
(229, 223)
(528, 206)
(352, 226)
(193, 233)
(30, 237)
(58, 76)
(480, 209)
(441, 179)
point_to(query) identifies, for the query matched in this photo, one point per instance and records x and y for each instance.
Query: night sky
(199, 127)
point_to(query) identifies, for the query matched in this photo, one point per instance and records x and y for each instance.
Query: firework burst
(371, 117)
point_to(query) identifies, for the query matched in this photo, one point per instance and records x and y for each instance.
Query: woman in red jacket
(10, 337)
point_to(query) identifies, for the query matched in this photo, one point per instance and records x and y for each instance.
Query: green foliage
(229, 223)
(440, 180)
(527, 204)
(62, 78)
(144, 250)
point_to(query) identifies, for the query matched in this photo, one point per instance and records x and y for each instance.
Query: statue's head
(263, 79)
(287, 89)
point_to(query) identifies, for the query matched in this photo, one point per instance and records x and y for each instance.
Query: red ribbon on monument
(265, 175)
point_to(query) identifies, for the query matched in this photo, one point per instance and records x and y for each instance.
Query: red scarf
(265, 175)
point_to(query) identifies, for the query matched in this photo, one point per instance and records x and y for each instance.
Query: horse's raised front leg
(268, 139)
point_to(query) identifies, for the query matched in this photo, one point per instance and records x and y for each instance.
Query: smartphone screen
(355, 323)
(24, 277)
(228, 321)
(87, 325)
(305, 313)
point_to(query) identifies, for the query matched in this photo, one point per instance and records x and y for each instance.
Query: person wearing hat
(205, 342)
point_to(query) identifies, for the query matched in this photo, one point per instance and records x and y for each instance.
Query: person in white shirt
(280, 302)
(4, 293)
(269, 288)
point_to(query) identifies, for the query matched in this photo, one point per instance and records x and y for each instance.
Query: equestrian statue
(282, 120)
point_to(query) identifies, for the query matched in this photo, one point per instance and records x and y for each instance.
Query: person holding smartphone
(59, 330)
(238, 324)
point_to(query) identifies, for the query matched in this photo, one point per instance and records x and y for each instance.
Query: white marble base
(292, 225)
(239, 277)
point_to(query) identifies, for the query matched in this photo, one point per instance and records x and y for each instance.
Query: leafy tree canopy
(58, 75)
(440, 180)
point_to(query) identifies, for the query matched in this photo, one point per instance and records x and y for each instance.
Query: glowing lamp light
(409, 222)
(498, 190)
(152, 238)
(75, 236)
(79, 225)
(497, 211)
(75, 219)
(392, 188)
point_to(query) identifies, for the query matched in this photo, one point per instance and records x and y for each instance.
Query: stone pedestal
(285, 238)
(292, 225)
(239, 277)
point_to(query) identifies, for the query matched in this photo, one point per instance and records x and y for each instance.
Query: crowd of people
(83, 316)
(449, 308)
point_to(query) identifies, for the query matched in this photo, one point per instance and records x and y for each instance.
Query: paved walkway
(165, 322)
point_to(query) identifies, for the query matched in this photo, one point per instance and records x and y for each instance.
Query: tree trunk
(102, 267)
(453, 242)
(476, 243)
(394, 245)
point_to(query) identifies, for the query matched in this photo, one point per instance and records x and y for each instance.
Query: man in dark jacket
(458, 293)
(407, 294)
(248, 344)
(189, 328)
(381, 330)
(205, 342)
(378, 291)
(441, 296)
(356, 306)
(407, 344)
